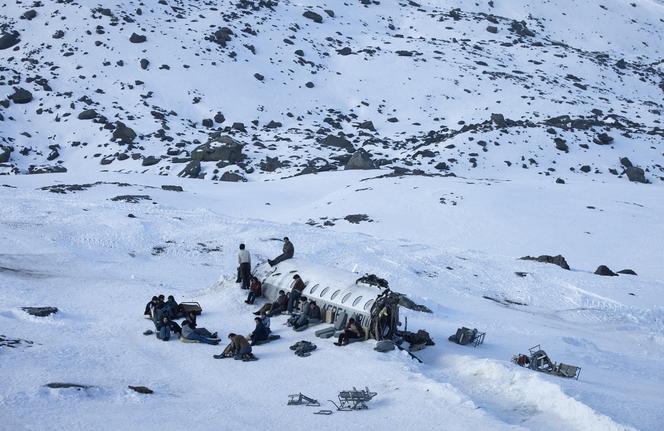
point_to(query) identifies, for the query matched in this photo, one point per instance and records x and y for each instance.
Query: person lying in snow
(261, 332)
(352, 331)
(190, 332)
(238, 348)
(255, 290)
(276, 307)
(288, 251)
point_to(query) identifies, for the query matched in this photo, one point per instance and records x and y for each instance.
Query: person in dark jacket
(296, 292)
(149, 306)
(172, 308)
(310, 315)
(260, 332)
(274, 309)
(244, 260)
(164, 329)
(255, 290)
(352, 331)
(287, 252)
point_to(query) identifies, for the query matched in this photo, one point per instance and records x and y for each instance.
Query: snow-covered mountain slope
(555, 88)
(67, 242)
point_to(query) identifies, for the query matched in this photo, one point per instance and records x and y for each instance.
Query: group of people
(164, 314)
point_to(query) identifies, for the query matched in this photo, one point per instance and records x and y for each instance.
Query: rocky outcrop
(221, 149)
(605, 271)
(360, 160)
(545, 258)
(40, 311)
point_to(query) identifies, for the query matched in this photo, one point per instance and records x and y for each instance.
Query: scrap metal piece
(323, 412)
(301, 399)
(538, 360)
(354, 400)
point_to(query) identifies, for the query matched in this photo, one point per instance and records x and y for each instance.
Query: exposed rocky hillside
(236, 90)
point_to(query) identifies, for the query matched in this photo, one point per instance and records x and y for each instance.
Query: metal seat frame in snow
(476, 339)
(354, 400)
(301, 399)
(540, 361)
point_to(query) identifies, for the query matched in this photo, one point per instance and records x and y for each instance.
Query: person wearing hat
(287, 252)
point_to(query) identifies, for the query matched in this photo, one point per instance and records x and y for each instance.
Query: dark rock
(603, 139)
(556, 260)
(207, 122)
(357, 218)
(309, 84)
(636, 175)
(123, 133)
(621, 64)
(137, 38)
(560, 181)
(337, 142)
(107, 160)
(313, 16)
(29, 14)
(585, 168)
(329, 13)
(131, 199)
(605, 271)
(141, 389)
(21, 96)
(46, 169)
(219, 118)
(271, 164)
(172, 188)
(7, 40)
(144, 63)
(367, 125)
(40, 311)
(273, 125)
(259, 76)
(88, 114)
(221, 36)
(192, 170)
(130, 215)
(498, 120)
(627, 272)
(519, 27)
(232, 177)
(360, 160)
(5, 153)
(59, 34)
(150, 160)
(67, 386)
(223, 148)
(626, 162)
(492, 29)
(239, 126)
(561, 145)
(345, 51)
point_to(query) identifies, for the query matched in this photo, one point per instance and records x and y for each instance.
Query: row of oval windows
(347, 296)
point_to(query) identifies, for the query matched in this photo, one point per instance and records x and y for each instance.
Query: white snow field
(79, 251)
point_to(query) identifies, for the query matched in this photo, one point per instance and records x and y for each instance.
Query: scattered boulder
(492, 29)
(150, 160)
(223, 148)
(367, 125)
(40, 311)
(137, 38)
(627, 272)
(357, 218)
(313, 16)
(337, 142)
(29, 14)
(57, 169)
(21, 96)
(239, 127)
(144, 63)
(636, 175)
(360, 159)
(123, 133)
(545, 258)
(603, 139)
(605, 271)
(192, 170)
(221, 36)
(271, 164)
(626, 162)
(273, 125)
(141, 389)
(172, 188)
(131, 199)
(88, 114)
(498, 120)
(520, 28)
(561, 145)
(219, 118)
(232, 177)
(5, 153)
(7, 40)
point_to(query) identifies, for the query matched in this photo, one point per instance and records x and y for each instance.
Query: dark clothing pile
(303, 348)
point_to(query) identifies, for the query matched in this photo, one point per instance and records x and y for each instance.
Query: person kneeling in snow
(238, 348)
(191, 333)
(352, 331)
(254, 290)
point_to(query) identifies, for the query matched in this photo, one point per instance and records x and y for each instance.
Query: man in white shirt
(244, 259)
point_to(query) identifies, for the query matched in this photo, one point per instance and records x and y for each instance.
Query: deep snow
(80, 252)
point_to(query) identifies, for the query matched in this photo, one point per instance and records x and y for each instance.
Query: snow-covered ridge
(453, 88)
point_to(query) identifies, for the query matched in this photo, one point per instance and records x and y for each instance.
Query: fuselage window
(357, 301)
(345, 298)
(313, 289)
(369, 304)
(335, 294)
(324, 291)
